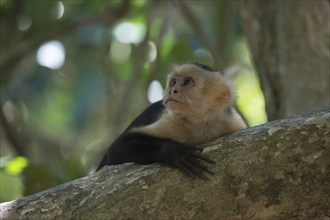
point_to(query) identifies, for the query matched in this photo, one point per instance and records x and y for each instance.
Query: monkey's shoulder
(150, 115)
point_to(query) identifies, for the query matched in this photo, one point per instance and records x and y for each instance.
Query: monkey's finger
(199, 165)
(201, 157)
(196, 169)
(197, 173)
(184, 168)
(191, 148)
(196, 152)
(193, 172)
(200, 168)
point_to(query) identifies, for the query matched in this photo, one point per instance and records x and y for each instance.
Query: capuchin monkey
(197, 107)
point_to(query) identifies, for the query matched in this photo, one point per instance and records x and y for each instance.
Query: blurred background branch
(11, 136)
(199, 30)
(15, 54)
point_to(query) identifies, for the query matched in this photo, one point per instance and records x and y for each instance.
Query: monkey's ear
(224, 96)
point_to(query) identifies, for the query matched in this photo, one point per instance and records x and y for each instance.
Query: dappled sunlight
(128, 33)
(51, 55)
(60, 10)
(250, 98)
(155, 91)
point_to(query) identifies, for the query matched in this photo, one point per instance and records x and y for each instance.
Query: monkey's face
(192, 92)
(181, 90)
(184, 95)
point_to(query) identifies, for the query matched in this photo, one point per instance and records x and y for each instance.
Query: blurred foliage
(56, 122)
(16, 165)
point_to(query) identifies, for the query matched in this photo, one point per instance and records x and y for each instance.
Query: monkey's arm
(145, 149)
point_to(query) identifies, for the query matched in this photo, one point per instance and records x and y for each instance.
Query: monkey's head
(195, 90)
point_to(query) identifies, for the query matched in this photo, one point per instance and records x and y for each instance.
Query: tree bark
(279, 170)
(290, 45)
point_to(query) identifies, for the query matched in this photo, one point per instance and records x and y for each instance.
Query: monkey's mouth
(173, 100)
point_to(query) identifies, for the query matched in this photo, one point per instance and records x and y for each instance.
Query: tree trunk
(279, 170)
(289, 42)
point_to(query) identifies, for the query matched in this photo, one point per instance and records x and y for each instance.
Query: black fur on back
(204, 67)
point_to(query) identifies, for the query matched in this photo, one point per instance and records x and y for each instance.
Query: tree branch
(279, 170)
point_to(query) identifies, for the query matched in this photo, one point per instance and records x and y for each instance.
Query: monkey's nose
(174, 90)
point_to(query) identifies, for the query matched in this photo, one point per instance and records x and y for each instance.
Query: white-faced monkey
(197, 107)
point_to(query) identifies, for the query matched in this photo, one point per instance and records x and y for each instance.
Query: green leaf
(17, 165)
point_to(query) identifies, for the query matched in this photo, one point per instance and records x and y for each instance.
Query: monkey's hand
(145, 149)
(186, 158)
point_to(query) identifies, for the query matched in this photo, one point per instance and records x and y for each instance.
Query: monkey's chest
(201, 134)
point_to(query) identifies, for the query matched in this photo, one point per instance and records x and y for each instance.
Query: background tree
(290, 45)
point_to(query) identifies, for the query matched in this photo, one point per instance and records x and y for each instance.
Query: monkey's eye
(172, 82)
(188, 82)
